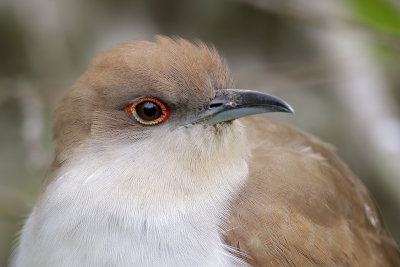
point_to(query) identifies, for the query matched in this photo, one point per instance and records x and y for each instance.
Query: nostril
(215, 105)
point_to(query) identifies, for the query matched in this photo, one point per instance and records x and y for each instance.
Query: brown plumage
(302, 206)
(291, 202)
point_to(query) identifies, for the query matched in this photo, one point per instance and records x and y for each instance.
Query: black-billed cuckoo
(154, 168)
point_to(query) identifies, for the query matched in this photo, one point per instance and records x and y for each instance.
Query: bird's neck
(117, 211)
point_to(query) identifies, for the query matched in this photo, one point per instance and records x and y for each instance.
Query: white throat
(125, 206)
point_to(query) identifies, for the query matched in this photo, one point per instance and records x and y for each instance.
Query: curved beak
(230, 104)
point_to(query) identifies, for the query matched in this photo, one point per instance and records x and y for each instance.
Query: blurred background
(336, 62)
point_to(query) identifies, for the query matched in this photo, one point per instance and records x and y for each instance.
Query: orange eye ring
(148, 111)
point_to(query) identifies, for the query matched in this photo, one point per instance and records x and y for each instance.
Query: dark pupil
(148, 111)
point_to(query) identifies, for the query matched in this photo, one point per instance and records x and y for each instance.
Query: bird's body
(194, 186)
(302, 206)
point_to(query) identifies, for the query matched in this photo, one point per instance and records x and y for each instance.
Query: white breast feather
(124, 206)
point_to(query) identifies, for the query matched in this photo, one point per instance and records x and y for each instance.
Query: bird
(159, 163)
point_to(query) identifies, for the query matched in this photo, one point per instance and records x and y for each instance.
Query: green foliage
(379, 14)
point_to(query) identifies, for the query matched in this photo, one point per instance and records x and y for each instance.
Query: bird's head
(152, 110)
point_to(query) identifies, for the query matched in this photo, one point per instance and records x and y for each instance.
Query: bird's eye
(148, 111)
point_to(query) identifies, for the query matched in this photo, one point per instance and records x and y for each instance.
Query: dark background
(336, 62)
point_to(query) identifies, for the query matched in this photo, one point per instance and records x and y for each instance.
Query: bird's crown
(184, 76)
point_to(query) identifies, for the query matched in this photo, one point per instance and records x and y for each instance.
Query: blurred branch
(314, 12)
(46, 39)
(31, 106)
(325, 14)
(32, 124)
(366, 94)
